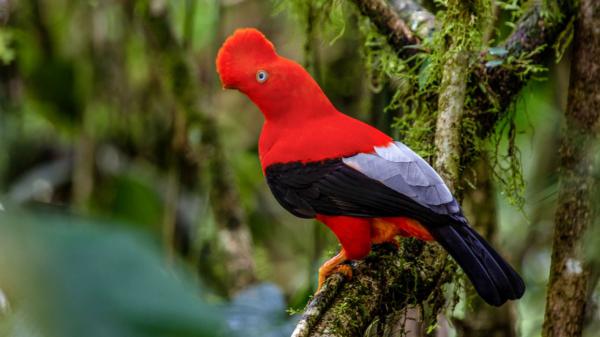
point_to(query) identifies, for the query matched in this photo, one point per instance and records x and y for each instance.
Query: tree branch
(420, 21)
(496, 87)
(385, 282)
(390, 24)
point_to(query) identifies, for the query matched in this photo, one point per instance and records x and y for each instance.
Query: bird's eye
(261, 76)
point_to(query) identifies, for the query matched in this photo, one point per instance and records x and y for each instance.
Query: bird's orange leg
(334, 265)
(354, 235)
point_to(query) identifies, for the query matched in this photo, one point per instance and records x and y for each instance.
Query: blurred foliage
(65, 277)
(70, 277)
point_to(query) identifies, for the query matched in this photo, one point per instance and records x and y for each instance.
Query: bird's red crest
(246, 48)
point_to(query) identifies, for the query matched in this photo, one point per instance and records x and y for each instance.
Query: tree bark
(569, 271)
(420, 20)
(450, 113)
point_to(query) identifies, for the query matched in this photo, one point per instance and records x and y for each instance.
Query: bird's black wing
(364, 185)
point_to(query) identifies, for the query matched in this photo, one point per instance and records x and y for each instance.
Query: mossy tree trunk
(569, 270)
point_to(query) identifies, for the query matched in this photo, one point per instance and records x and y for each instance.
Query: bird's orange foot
(343, 269)
(334, 265)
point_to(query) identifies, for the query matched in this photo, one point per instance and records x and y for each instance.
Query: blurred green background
(133, 200)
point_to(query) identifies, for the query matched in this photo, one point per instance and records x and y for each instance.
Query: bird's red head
(242, 57)
(247, 61)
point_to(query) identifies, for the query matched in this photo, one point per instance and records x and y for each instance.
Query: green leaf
(66, 277)
(424, 73)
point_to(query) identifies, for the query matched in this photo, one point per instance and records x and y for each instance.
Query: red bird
(363, 185)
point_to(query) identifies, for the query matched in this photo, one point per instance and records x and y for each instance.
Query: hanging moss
(414, 81)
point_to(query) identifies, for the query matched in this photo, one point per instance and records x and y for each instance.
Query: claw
(334, 265)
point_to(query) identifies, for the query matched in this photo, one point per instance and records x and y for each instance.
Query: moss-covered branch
(540, 28)
(386, 282)
(453, 87)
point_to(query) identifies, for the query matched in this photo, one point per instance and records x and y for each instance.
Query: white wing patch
(404, 171)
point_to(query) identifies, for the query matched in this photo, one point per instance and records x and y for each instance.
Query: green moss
(414, 82)
(506, 166)
(564, 40)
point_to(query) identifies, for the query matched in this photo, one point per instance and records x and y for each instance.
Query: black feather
(495, 281)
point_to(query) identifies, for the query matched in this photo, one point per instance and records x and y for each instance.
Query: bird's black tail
(493, 278)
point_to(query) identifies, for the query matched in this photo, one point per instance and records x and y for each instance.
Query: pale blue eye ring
(261, 76)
